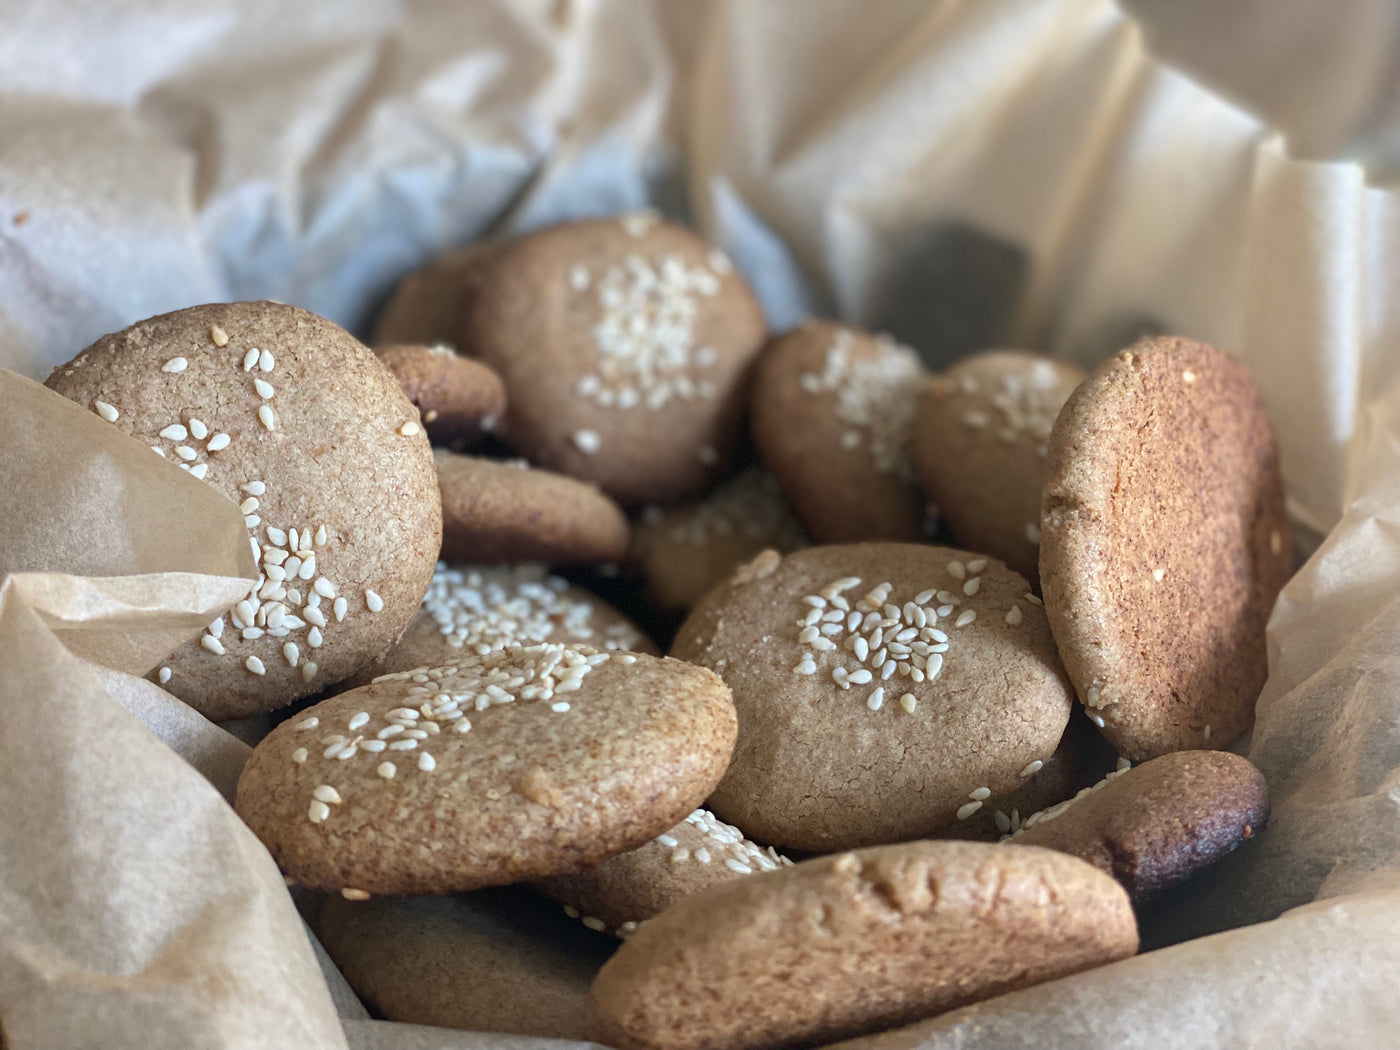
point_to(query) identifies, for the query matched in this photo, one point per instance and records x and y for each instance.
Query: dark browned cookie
(1165, 541)
(459, 400)
(832, 410)
(507, 511)
(299, 424)
(1158, 823)
(625, 347)
(498, 960)
(979, 449)
(425, 307)
(855, 943)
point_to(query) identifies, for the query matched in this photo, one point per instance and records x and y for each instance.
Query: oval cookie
(1164, 543)
(459, 400)
(844, 945)
(508, 511)
(832, 410)
(425, 307)
(884, 690)
(294, 420)
(625, 346)
(980, 445)
(520, 764)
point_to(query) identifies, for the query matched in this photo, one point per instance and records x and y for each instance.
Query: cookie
(1156, 824)
(625, 346)
(854, 943)
(477, 609)
(682, 552)
(424, 309)
(293, 419)
(499, 960)
(624, 891)
(507, 511)
(832, 410)
(980, 445)
(884, 691)
(523, 763)
(459, 400)
(1164, 543)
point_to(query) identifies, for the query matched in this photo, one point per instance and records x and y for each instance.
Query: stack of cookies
(952, 655)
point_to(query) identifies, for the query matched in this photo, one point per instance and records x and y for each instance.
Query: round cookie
(1154, 825)
(683, 552)
(832, 410)
(477, 609)
(498, 960)
(508, 511)
(458, 400)
(626, 890)
(839, 946)
(568, 756)
(1165, 541)
(293, 419)
(425, 307)
(979, 448)
(884, 691)
(625, 346)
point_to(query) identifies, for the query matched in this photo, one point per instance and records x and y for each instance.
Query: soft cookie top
(624, 345)
(293, 419)
(1165, 541)
(884, 690)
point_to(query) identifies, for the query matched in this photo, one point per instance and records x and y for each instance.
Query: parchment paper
(959, 172)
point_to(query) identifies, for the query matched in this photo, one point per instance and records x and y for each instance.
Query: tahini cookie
(681, 552)
(839, 946)
(1164, 543)
(523, 763)
(1154, 825)
(624, 891)
(625, 346)
(294, 420)
(424, 309)
(475, 609)
(884, 691)
(980, 445)
(832, 410)
(498, 960)
(509, 511)
(459, 401)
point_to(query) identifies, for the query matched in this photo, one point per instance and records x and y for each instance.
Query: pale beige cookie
(509, 511)
(625, 345)
(682, 552)
(832, 410)
(460, 401)
(979, 448)
(855, 943)
(293, 419)
(476, 609)
(498, 960)
(1156, 824)
(1164, 543)
(426, 305)
(621, 893)
(521, 764)
(884, 691)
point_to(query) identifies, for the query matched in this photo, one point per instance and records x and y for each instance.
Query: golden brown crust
(843, 945)
(460, 401)
(1165, 542)
(832, 410)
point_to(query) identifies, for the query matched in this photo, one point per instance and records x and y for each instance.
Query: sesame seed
(933, 666)
(967, 809)
(327, 794)
(1003, 822)
(308, 723)
(308, 670)
(351, 894)
(1032, 768)
(1188, 377)
(250, 360)
(212, 644)
(426, 762)
(218, 442)
(1013, 615)
(265, 390)
(199, 470)
(980, 794)
(313, 638)
(339, 608)
(267, 417)
(587, 441)
(1158, 574)
(739, 867)
(957, 570)
(318, 811)
(972, 586)
(299, 755)
(266, 362)
(876, 700)
(358, 720)
(1032, 599)
(1207, 732)
(198, 430)
(106, 411)
(964, 618)
(164, 675)
(373, 601)
(175, 365)
(255, 665)
(976, 564)
(324, 587)
(1124, 765)
(1096, 718)
(908, 702)
(409, 429)
(1032, 532)
(579, 279)
(571, 912)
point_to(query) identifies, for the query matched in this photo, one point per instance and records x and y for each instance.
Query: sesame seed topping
(972, 586)
(318, 811)
(1096, 718)
(267, 417)
(957, 570)
(1158, 574)
(324, 587)
(373, 602)
(1032, 768)
(175, 365)
(250, 360)
(218, 442)
(967, 809)
(410, 429)
(964, 618)
(308, 723)
(265, 390)
(587, 441)
(426, 762)
(299, 756)
(199, 470)
(1013, 615)
(217, 335)
(387, 770)
(255, 665)
(359, 719)
(1188, 376)
(874, 394)
(738, 866)
(326, 793)
(266, 362)
(198, 430)
(106, 411)
(1003, 821)
(908, 702)
(1033, 532)
(212, 644)
(1124, 764)
(980, 794)
(351, 894)
(876, 699)
(308, 670)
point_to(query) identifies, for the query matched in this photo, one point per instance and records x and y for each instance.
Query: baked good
(424, 309)
(884, 690)
(625, 346)
(1165, 540)
(832, 410)
(854, 943)
(979, 449)
(293, 419)
(520, 764)
(508, 511)
(460, 401)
